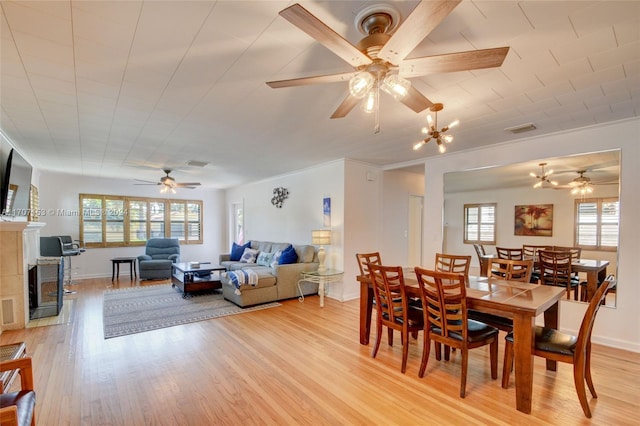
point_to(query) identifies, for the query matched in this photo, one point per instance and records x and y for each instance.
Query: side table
(9, 352)
(322, 278)
(115, 266)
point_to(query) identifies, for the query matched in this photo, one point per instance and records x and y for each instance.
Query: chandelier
(543, 177)
(432, 131)
(367, 84)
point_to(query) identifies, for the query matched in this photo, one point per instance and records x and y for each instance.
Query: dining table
(521, 302)
(596, 271)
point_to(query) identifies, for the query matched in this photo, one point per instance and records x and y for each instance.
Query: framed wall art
(534, 220)
(326, 212)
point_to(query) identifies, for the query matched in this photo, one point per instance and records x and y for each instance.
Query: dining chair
(393, 310)
(364, 259)
(458, 264)
(530, 252)
(509, 253)
(504, 269)
(555, 269)
(445, 317)
(552, 344)
(18, 407)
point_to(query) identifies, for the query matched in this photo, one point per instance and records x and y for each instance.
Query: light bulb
(396, 86)
(361, 84)
(425, 130)
(447, 138)
(418, 145)
(454, 123)
(441, 146)
(429, 120)
(370, 102)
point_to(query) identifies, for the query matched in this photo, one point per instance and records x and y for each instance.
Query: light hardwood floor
(294, 364)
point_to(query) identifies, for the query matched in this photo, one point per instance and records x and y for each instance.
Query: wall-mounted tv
(16, 187)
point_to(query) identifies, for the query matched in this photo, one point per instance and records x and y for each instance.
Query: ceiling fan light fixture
(370, 102)
(360, 84)
(396, 86)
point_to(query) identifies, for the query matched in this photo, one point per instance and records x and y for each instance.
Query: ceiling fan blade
(416, 100)
(426, 16)
(345, 107)
(303, 19)
(329, 78)
(145, 182)
(451, 62)
(187, 184)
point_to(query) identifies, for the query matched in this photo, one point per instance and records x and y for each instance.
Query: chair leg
(463, 372)
(405, 350)
(376, 345)
(493, 354)
(438, 348)
(578, 380)
(447, 352)
(390, 335)
(587, 372)
(426, 348)
(508, 363)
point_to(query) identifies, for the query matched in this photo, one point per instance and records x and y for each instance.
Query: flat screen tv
(16, 187)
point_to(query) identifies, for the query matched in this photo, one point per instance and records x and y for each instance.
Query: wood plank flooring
(296, 364)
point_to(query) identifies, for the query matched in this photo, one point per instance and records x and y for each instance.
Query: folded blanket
(242, 276)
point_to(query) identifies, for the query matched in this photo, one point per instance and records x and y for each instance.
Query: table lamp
(321, 237)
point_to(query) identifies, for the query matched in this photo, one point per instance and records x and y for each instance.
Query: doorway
(415, 230)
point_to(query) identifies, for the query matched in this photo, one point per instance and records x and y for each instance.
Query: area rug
(139, 309)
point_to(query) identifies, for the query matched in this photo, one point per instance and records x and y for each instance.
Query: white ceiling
(126, 88)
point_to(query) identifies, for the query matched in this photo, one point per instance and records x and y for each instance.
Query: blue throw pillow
(238, 250)
(289, 255)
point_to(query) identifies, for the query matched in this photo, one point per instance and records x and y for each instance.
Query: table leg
(592, 284)
(131, 269)
(321, 292)
(551, 321)
(523, 357)
(135, 274)
(366, 306)
(113, 270)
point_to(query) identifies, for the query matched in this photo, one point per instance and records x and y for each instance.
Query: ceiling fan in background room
(379, 58)
(168, 183)
(583, 185)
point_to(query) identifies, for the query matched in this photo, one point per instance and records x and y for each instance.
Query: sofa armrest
(143, 257)
(225, 257)
(174, 258)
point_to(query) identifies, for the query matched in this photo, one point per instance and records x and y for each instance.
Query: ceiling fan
(379, 58)
(584, 185)
(543, 177)
(169, 184)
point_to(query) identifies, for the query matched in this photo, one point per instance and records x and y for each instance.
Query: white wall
(61, 192)
(301, 212)
(398, 186)
(615, 326)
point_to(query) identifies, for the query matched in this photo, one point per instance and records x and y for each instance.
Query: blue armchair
(160, 254)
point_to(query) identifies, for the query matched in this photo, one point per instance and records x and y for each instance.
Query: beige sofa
(279, 282)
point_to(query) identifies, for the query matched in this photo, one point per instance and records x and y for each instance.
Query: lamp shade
(321, 237)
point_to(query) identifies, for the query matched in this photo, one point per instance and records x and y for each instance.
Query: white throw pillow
(249, 256)
(276, 258)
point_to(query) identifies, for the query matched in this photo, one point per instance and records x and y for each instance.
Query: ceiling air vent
(521, 128)
(196, 163)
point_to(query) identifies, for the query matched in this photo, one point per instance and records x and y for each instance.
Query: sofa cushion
(288, 256)
(264, 258)
(305, 253)
(261, 245)
(238, 250)
(249, 256)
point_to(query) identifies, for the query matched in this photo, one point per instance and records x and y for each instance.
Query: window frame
(166, 221)
(599, 223)
(465, 229)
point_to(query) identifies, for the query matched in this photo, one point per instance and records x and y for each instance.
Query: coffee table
(189, 278)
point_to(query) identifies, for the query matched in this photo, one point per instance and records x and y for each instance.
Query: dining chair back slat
(458, 264)
(509, 253)
(511, 269)
(555, 269)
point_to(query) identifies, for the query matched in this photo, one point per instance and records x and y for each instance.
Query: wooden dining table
(596, 271)
(522, 302)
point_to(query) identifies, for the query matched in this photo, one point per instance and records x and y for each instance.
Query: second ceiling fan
(379, 58)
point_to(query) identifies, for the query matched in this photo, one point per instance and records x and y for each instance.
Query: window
(597, 221)
(480, 224)
(114, 221)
